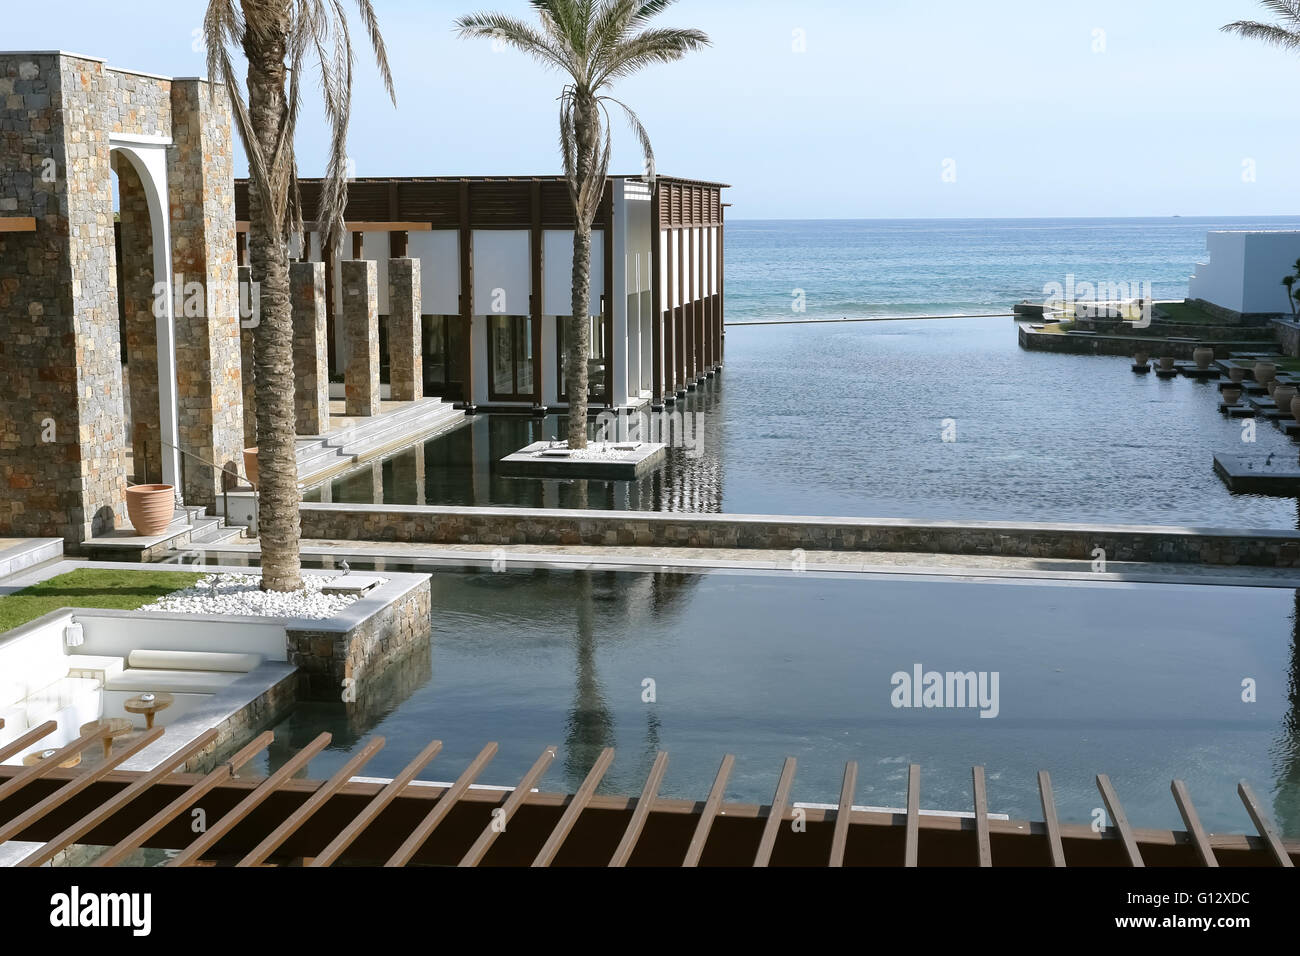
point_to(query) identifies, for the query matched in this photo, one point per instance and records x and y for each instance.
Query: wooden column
(358, 245)
(706, 294)
(722, 301)
(656, 305)
(607, 318)
(688, 300)
(537, 297)
(679, 316)
(466, 302)
(670, 327)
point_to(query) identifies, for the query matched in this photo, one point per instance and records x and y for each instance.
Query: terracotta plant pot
(250, 465)
(1141, 357)
(1203, 357)
(1237, 373)
(1231, 396)
(1265, 372)
(1284, 395)
(1167, 363)
(150, 508)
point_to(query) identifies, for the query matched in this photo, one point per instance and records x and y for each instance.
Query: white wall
(502, 273)
(439, 254)
(557, 271)
(1245, 269)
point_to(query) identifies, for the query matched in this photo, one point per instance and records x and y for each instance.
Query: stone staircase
(323, 456)
(191, 528)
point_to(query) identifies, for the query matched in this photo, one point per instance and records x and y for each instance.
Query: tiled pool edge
(1082, 542)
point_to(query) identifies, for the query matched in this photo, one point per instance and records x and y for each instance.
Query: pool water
(850, 420)
(1143, 682)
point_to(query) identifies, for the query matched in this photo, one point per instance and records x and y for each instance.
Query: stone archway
(66, 122)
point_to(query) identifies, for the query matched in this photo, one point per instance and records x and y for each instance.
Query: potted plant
(1236, 373)
(1141, 357)
(1203, 355)
(1283, 395)
(250, 465)
(1167, 363)
(1265, 372)
(1231, 395)
(150, 508)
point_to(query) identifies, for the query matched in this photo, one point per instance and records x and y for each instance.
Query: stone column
(201, 193)
(361, 319)
(310, 348)
(62, 436)
(247, 332)
(405, 348)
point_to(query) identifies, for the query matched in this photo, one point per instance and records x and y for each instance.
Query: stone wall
(361, 321)
(201, 186)
(237, 729)
(62, 447)
(310, 348)
(1126, 345)
(329, 658)
(505, 526)
(405, 348)
(1287, 333)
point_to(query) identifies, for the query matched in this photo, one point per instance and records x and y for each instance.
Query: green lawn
(91, 587)
(1186, 313)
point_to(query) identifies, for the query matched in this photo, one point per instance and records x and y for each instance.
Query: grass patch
(91, 587)
(1186, 314)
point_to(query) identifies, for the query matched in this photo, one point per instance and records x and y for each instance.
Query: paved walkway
(860, 562)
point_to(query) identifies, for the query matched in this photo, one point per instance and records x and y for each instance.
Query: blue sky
(1039, 113)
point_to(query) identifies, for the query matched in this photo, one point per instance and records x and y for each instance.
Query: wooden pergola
(284, 820)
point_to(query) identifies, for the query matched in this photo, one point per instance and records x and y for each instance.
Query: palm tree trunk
(577, 340)
(277, 509)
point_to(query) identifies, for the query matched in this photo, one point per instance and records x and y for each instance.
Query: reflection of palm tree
(591, 725)
(1286, 805)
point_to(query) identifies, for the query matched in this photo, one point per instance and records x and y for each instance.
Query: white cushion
(94, 666)
(195, 660)
(142, 679)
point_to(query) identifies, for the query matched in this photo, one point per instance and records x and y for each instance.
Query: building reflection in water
(458, 468)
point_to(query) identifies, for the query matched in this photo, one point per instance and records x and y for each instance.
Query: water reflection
(1286, 751)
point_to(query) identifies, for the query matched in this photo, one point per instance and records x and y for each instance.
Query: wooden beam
(28, 774)
(840, 837)
(349, 834)
(105, 810)
(17, 224)
(420, 835)
(711, 805)
(395, 226)
(775, 814)
(15, 747)
(501, 815)
(466, 300)
(577, 803)
(1050, 820)
(911, 837)
(1267, 832)
(250, 803)
(290, 825)
(537, 281)
(644, 804)
(1193, 823)
(981, 817)
(358, 244)
(222, 774)
(1119, 819)
(83, 780)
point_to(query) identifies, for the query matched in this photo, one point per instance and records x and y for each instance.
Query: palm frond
(518, 34)
(642, 137)
(647, 49)
(1267, 32)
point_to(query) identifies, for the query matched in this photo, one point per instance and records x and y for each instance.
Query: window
(443, 350)
(510, 358)
(595, 363)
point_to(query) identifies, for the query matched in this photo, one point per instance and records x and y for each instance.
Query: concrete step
(320, 458)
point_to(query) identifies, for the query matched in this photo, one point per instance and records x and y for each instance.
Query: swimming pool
(1143, 682)
(849, 420)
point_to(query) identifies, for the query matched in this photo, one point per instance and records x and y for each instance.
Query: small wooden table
(138, 705)
(40, 756)
(108, 729)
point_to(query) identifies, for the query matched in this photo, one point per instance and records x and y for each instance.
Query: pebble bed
(594, 452)
(242, 595)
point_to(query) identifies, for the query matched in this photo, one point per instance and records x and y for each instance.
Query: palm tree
(594, 43)
(277, 38)
(1285, 33)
